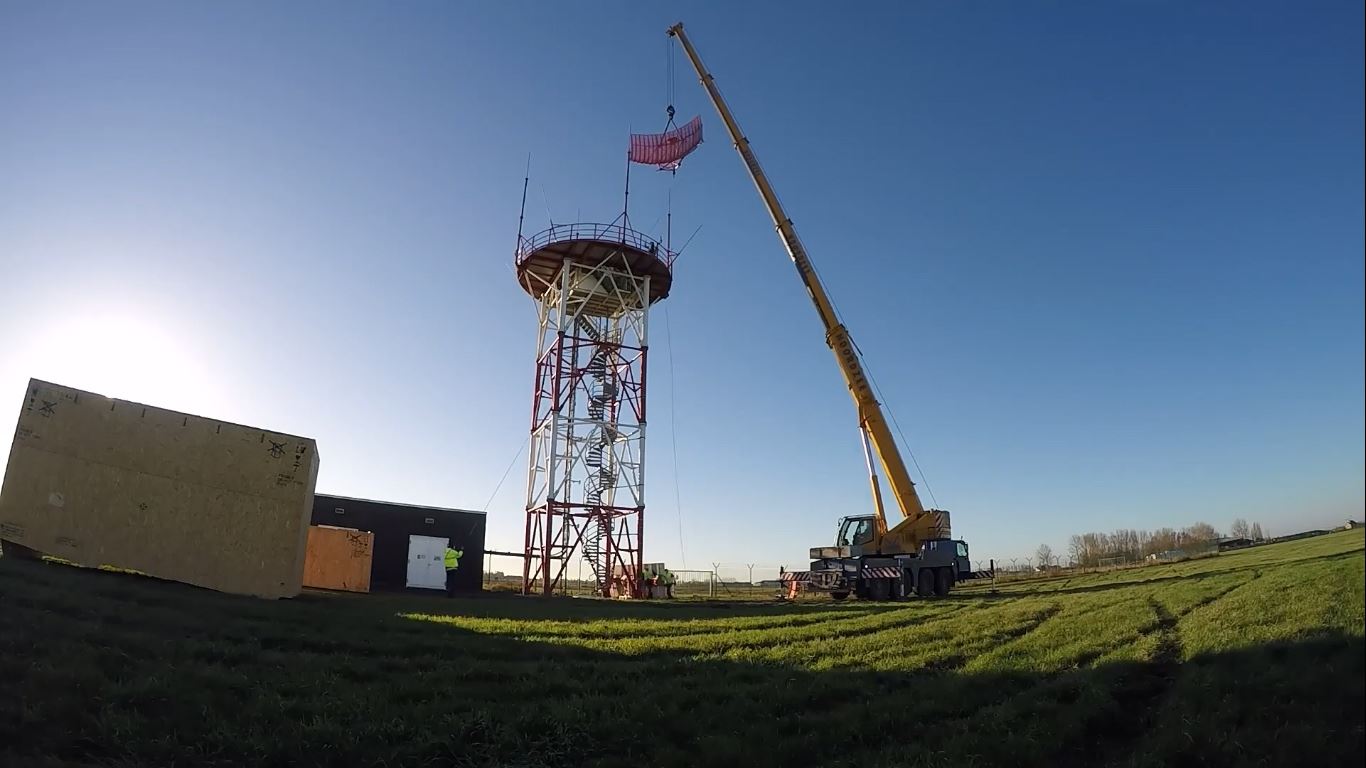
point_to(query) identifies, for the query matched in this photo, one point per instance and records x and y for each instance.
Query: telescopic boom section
(871, 419)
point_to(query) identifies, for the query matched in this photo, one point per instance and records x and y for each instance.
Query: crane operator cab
(857, 537)
(856, 531)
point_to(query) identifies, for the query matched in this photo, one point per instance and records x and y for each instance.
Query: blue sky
(1105, 260)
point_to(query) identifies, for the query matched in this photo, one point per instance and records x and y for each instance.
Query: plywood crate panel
(338, 558)
(100, 481)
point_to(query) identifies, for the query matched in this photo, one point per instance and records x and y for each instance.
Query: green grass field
(1250, 658)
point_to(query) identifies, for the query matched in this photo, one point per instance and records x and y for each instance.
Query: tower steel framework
(593, 285)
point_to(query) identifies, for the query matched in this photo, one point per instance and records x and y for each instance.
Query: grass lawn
(1248, 658)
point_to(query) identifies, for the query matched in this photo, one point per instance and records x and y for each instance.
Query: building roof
(399, 504)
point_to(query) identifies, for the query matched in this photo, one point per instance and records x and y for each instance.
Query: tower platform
(541, 257)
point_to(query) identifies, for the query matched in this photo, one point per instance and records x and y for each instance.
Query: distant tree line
(1127, 546)
(1241, 530)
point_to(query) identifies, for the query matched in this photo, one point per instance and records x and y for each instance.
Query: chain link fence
(748, 581)
(722, 581)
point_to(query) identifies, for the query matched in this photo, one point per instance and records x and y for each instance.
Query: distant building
(1300, 535)
(1229, 542)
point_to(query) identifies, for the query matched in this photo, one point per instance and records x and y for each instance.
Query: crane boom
(872, 421)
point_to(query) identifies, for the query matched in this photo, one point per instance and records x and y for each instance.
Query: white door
(426, 566)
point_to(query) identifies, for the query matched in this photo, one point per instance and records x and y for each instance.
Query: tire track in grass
(629, 627)
(1272, 675)
(802, 648)
(1136, 692)
(904, 672)
(1047, 646)
(1054, 685)
(905, 663)
(705, 643)
(1292, 599)
(1130, 648)
(905, 685)
(768, 643)
(954, 650)
(838, 650)
(1138, 689)
(1049, 688)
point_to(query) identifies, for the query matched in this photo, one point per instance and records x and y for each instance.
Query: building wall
(104, 482)
(393, 523)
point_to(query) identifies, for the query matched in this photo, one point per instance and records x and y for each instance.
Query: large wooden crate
(104, 482)
(338, 558)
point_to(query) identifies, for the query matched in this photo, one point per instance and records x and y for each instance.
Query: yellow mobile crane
(868, 559)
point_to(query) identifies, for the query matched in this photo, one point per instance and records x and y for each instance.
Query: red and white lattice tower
(593, 285)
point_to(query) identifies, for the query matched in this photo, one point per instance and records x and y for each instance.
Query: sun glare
(131, 356)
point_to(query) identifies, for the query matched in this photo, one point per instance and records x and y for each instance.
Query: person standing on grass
(647, 580)
(452, 562)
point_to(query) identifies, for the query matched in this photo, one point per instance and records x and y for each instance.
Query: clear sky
(1104, 259)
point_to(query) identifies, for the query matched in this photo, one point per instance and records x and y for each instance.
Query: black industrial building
(406, 536)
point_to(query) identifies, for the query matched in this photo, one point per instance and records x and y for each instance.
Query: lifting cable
(669, 84)
(673, 438)
(924, 480)
(506, 472)
(878, 390)
(669, 92)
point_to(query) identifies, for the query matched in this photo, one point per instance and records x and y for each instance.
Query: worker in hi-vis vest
(645, 577)
(452, 559)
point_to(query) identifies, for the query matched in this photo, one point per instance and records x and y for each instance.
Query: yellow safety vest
(452, 558)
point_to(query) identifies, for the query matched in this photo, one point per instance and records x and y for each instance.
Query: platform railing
(603, 233)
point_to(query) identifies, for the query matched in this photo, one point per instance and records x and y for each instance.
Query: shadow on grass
(139, 674)
(579, 609)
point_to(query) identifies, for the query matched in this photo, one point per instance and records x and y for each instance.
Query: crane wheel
(924, 582)
(880, 589)
(838, 596)
(943, 581)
